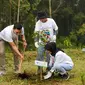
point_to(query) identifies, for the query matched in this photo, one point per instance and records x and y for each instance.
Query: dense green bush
(64, 42)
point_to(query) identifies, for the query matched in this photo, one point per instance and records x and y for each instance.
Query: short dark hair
(41, 15)
(17, 26)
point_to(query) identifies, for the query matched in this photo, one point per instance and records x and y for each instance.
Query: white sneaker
(49, 74)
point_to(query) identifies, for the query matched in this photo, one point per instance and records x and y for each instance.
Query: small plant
(67, 42)
(43, 36)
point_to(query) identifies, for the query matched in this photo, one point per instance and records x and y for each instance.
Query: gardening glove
(49, 74)
(36, 44)
(54, 38)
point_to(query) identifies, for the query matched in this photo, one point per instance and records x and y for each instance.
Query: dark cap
(41, 15)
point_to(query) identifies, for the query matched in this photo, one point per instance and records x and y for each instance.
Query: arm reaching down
(14, 47)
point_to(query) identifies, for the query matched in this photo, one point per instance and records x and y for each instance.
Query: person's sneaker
(64, 76)
(59, 75)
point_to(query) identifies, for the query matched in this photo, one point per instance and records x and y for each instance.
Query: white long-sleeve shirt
(48, 25)
(61, 57)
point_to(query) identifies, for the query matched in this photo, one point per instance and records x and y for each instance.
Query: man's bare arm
(14, 47)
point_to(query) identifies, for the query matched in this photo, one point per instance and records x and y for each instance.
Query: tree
(18, 10)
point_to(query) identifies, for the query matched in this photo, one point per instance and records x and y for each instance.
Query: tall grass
(77, 73)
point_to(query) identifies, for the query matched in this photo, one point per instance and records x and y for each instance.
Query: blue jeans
(63, 67)
(41, 55)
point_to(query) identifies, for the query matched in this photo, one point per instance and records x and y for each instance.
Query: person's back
(62, 57)
(6, 33)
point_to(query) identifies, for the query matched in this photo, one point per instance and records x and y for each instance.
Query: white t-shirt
(48, 25)
(7, 33)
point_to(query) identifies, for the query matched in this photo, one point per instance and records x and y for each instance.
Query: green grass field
(77, 74)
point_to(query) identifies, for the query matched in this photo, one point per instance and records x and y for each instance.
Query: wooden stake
(20, 63)
(41, 73)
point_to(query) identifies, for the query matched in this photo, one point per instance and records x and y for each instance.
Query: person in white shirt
(47, 30)
(10, 35)
(61, 62)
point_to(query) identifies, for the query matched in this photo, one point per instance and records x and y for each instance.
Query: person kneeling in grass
(59, 61)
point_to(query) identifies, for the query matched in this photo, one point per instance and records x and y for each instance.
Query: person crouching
(59, 61)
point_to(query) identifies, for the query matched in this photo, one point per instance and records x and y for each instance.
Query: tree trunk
(50, 10)
(18, 11)
(10, 11)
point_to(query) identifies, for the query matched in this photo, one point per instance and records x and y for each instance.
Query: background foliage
(68, 14)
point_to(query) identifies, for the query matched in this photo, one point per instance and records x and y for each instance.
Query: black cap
(41, 15)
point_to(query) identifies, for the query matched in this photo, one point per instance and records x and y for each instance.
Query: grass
(77, 74)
